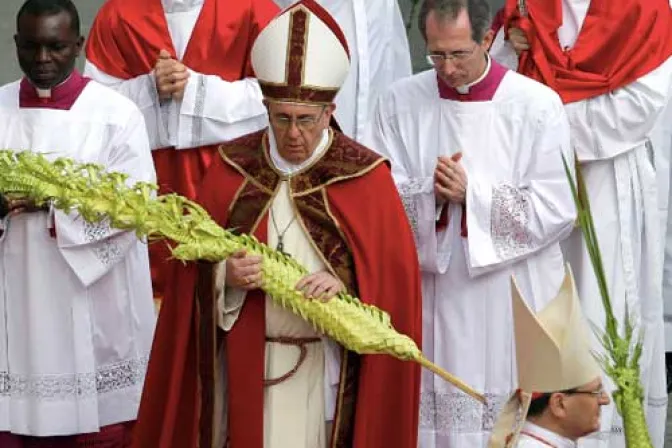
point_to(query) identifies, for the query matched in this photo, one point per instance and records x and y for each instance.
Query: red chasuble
(350, 208)
(619, 42)
(125, 41)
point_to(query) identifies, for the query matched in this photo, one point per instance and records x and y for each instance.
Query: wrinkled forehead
(592, 385)
(294, 108)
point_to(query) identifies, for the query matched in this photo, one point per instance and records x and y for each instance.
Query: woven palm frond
(622, 353)
(97, 195)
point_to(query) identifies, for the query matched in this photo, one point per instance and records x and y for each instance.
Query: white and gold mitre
(553, 354)
(301, 56)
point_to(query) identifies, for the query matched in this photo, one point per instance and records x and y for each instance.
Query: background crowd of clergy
(475, 149)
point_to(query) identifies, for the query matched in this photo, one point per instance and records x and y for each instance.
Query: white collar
(170, 6)
(545, 435)
(46, 93)
(289, 168)
(463, 90)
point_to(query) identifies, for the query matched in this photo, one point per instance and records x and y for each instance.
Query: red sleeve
(170, 405)
(388, 276)
(119, 48)
(126, 37)
(102, 48)
(263, 11)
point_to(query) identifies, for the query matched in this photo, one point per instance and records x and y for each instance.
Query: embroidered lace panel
(458, 413)
(108, 378)
(509, 219)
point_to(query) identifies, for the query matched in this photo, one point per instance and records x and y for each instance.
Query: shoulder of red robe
(301, 56)
(346, 159)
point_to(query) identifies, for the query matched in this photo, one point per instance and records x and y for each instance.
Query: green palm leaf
(98, 195)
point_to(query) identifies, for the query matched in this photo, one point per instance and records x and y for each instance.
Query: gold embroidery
(237, 196)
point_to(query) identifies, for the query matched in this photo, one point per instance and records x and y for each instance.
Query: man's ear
(329, 112)
(486, 43)
(556, 404)
(80, 45)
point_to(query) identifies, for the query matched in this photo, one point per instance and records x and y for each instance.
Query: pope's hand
(518, 40)
(320, 285)
(243, 271)
(171, 77)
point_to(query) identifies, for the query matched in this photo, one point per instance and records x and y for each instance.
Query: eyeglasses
(302, 123)
(599, 393)
(439, 57)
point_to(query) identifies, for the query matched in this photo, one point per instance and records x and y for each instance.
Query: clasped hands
(518, 40)
(244, 272)
(171, 77)
(15, 205)
(450, 180)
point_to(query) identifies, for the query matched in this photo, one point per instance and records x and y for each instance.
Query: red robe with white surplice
(348, 204)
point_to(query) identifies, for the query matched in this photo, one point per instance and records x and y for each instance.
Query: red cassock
(352, 212)
(125, 41)
(620, 41)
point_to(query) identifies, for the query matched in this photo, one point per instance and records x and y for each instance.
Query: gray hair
(478, 11)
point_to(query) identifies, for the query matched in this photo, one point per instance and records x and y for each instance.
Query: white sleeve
(665, 140)
(229, 300)
(502, 51)
(92, 250)
(401, 61)
(610, 124)
(142, 91)
(416, 191)
(507, 222)
(214, 110)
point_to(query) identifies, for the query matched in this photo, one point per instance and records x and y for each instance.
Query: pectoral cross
(280, 247)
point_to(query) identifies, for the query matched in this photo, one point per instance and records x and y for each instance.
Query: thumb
(239, 254)
(164, 54)
(456, 157)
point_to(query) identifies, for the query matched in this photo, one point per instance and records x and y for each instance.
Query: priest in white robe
(610, 132)
(76, 311)
(379, 55)
(560, 392)
(661, 140)
(186, 64)
(279, 382)
(476, 153)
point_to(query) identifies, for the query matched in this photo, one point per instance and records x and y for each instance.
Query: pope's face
(583, 406)
(298, 128)
(464, 59)
(47, 47)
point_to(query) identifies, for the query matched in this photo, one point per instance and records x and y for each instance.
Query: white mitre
(553, 354)
(301, 56)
